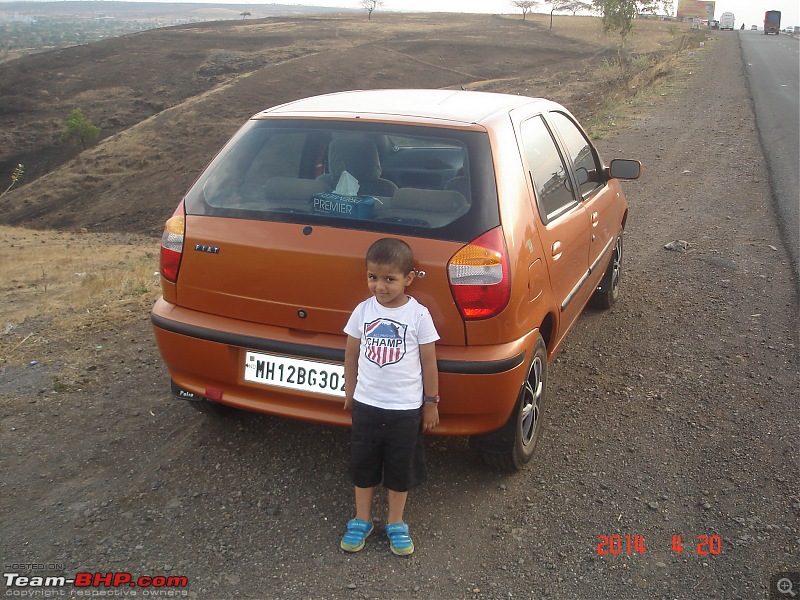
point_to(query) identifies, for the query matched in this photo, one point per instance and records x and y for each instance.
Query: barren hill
(166, 99)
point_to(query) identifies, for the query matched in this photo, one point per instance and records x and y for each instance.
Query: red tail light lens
(479, 278)
(172, 247)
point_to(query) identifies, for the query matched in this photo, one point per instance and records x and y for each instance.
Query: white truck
(726, 21)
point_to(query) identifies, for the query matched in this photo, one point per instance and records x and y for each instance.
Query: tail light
(172, 245)
(479, 278)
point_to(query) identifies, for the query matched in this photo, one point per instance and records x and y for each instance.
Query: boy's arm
(430, 385)
(351, 351)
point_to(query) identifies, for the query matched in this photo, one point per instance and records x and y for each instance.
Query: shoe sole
(402, 552)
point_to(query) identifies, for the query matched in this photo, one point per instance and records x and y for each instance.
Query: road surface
(772, 64)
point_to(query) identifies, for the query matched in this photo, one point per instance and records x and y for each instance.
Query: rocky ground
(675, 414)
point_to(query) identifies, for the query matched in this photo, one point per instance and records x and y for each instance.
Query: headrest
(357, 156)
(291, 188)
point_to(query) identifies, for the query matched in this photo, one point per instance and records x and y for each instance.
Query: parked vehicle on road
(753, 27)
(515, 222)
(772, 22)
(727, 21)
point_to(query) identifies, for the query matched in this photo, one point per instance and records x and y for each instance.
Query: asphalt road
(772, 64)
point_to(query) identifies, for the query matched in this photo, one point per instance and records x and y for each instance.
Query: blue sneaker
(356, 535)
(399, 540)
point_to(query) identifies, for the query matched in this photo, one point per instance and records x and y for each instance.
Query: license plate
(294, 373)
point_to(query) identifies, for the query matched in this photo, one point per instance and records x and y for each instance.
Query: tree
(573, 7)
(618, 15)
(525, 6)
(245, 14)
(78, 127)
(370, 5)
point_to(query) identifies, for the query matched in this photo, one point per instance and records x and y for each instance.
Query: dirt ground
(675, 414)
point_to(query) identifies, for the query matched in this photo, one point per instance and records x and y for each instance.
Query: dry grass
(647, 36)
(71, 281)
(641, 89)
(657, 60)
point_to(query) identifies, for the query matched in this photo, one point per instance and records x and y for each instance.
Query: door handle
(595, 217)
(556, 250)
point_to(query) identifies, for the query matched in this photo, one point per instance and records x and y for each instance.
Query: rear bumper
(205, 356)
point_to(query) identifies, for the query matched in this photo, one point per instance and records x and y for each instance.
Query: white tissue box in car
(337, 205)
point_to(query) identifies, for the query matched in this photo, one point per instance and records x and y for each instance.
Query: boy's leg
(397, 505)
(365, 471)
(404, 468)
(359, 529)
(397, 531)
(365, 459)
(364, 498)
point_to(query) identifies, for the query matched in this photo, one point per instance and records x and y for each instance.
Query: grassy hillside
(166, 99)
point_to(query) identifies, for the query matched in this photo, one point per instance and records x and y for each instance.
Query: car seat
(422, 207)
(459, 184)
(359, 157)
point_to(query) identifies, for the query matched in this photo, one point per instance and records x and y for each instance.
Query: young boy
(391, 385)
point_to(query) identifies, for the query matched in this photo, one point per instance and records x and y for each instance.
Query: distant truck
(726, 21)
(772, 22)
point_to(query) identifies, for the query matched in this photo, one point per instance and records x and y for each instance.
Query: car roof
(454, 106)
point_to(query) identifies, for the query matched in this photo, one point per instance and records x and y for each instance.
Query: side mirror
(582, 175)
(621, 168)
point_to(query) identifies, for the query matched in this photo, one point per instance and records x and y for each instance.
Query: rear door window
(547, 170)
(585, 161)
(432, 182)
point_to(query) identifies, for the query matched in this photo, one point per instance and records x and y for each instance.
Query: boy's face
(388, 284)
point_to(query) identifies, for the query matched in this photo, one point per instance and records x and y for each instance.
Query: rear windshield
(422, 181)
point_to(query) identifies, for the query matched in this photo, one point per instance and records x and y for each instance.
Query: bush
(78, 127)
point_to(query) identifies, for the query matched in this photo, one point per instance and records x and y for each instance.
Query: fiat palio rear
(514, 221)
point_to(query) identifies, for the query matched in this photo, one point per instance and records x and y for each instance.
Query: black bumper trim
(321, 353)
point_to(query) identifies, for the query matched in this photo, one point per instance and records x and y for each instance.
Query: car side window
(279, 157)
(238, 179)
(584, 159)
(546, 169)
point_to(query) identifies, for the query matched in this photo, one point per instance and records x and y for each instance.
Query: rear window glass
(436, 183)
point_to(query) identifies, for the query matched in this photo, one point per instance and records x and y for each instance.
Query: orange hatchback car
(515, 222)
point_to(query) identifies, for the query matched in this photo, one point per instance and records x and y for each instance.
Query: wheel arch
(547, 330)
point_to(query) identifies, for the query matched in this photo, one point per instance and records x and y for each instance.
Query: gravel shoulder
(674, 414)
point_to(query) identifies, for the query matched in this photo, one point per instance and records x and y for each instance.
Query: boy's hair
(392, 252)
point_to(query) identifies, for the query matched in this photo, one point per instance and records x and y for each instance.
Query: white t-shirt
(389, 367)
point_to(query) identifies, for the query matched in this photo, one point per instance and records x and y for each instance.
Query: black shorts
(387, 445)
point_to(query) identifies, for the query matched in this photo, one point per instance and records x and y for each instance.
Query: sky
(749, 12)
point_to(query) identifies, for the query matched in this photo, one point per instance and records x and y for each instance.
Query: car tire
(607, 292)
(511, 447)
